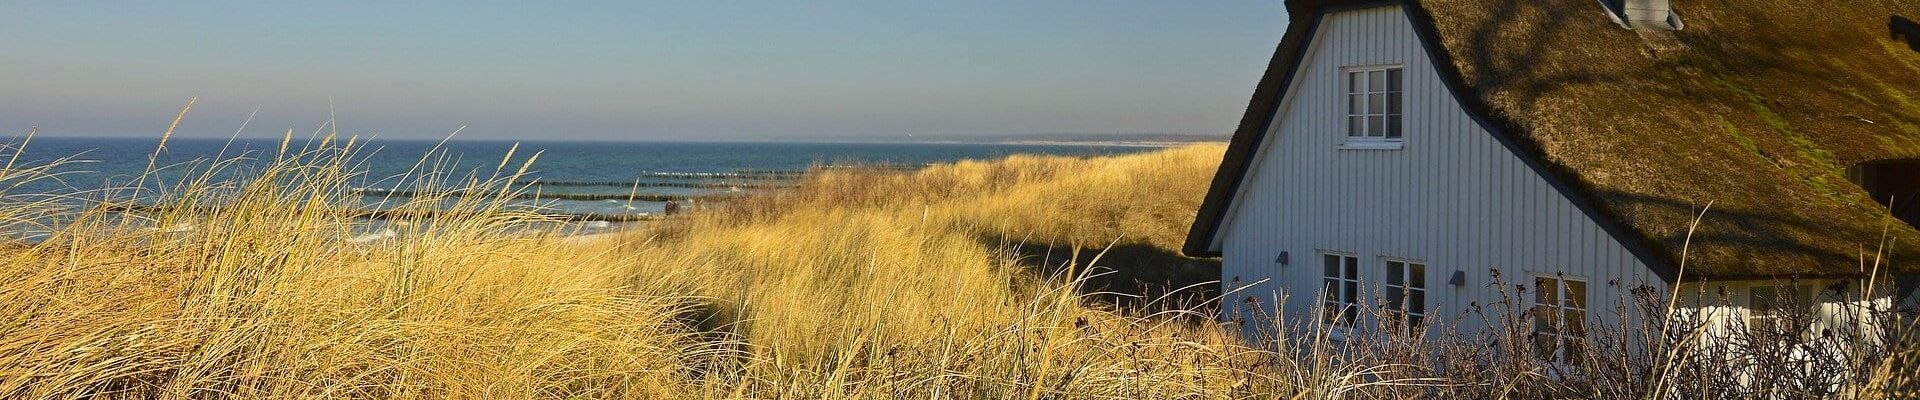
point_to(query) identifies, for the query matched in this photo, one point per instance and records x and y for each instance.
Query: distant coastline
(1071, 139)
(1039, 139)
(1112, 143)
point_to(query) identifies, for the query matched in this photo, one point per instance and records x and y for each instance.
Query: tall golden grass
(254, 289)
(862, 285)
(881, 284)
(966, 280)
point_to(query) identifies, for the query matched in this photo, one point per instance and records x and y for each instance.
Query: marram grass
(856, 284)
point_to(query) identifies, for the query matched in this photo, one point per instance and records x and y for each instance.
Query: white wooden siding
(1723, 303)
(1453, 198)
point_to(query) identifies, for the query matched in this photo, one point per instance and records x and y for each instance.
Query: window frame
(1560, 337)
(1340, 298)
(1405, 318)
(1776, 315)
(1361, 112)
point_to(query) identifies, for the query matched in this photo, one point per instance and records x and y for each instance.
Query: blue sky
(636, 71)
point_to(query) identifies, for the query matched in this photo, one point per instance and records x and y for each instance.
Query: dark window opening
(1905, 29)
(1895, 184)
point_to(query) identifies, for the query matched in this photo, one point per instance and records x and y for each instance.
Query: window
(1559, 317)
(1770, 308)
(1407, 292)
(1340, 303)
(1374, 104)
(1893, 183)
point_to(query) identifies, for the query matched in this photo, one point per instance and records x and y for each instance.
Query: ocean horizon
(579, 177)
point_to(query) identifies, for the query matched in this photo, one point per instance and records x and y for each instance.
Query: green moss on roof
(1820, 167)
(1812, 88)
(1744, 141)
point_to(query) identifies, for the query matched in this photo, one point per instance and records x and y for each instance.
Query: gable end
(1245, 146)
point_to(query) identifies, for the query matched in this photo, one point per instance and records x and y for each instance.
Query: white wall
(1724, 304)
(1453, 197)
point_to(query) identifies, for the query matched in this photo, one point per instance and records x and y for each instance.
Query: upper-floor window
(1341, 289)
(1407, 293)
(1374, 104)
(1559, 318)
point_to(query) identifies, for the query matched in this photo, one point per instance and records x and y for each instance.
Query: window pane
(1417, 301)
(1417, 275)
(1376, 81)
(1393, 80)
(1544, 320)
(1394, 296)
(1576, 323)
(1331, 289)
(1761, 298)
(1576, 294)
(1543, 345)
(1573, 349)
(1332, 265)
(1415, 321)
(1393, 103)
(1395, 273)
(1376, 103)
(1356, 126)
(1545, 291)
(1353, 268)
(1393, 126)
(1356, 104)
(1376, 126)
(1352, 293)
(1356, 83)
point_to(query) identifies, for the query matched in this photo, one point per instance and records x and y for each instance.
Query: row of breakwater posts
(536, 195)
(680, 185)
(730, 180)
(782, 175)
(778, 175)
(396, 214)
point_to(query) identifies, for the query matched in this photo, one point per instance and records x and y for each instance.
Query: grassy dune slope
(860, 285)
(970, 280)
(268, 297)
(878, 282)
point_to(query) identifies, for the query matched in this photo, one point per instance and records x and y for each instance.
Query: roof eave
(1304, 17)
(1280, 71)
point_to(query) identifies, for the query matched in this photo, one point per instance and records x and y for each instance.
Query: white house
(1397, 152)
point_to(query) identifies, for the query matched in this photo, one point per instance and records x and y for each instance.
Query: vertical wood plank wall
(1453, 197)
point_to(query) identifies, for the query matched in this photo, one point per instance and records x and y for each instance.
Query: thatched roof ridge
(1757, 107)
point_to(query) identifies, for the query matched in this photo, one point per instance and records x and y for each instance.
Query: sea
(596, 180)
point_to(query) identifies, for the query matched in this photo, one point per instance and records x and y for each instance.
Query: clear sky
(635, 71)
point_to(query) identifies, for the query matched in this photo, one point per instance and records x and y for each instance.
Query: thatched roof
(1758, 107)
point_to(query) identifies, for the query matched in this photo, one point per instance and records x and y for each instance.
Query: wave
(386, 214)
(532, 195)
(762, 175)
(684, 185)
(777, 174)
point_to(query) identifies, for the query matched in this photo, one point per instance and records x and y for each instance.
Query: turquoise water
(578, 176)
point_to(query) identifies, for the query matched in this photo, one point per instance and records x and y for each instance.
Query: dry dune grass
(878, 287)
(266, 296)
(858, 284)
(885, 284)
